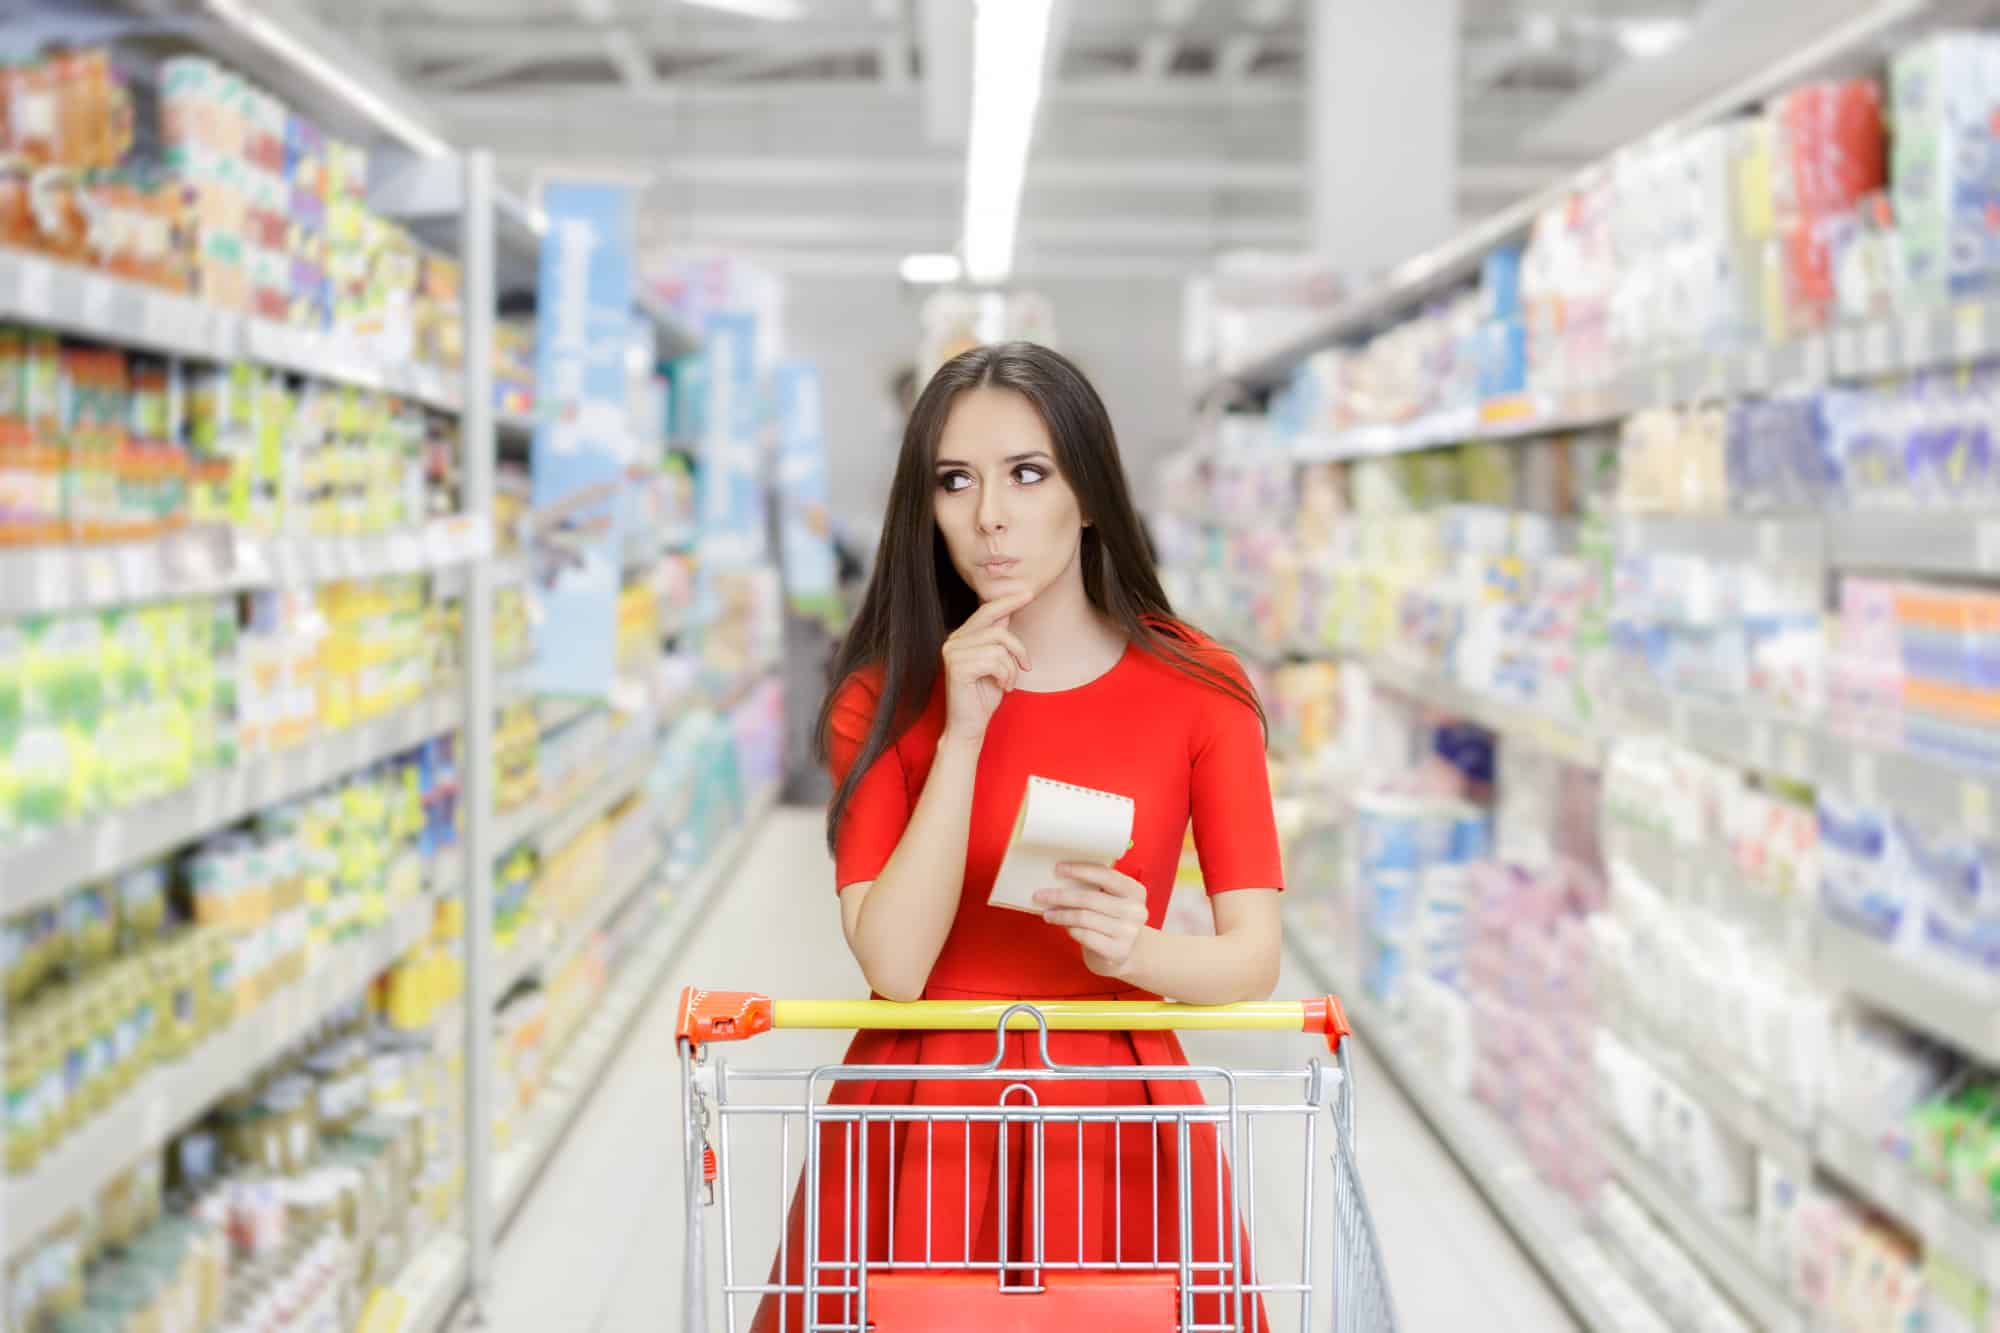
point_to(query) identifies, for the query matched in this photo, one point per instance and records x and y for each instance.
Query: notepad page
(1059, 822)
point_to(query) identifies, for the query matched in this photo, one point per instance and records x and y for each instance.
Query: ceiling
(832, 141)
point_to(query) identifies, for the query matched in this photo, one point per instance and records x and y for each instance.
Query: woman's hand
(1106, 914)
(982, 661)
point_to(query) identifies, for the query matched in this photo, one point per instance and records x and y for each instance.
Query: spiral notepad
(1059, 822)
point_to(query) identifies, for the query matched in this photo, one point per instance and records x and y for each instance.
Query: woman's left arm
(1106, 914)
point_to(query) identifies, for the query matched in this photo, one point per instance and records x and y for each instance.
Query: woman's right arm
(896, 923)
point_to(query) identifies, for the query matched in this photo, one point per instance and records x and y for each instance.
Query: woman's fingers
(989, 662)
(1095, 901)
(997, 610)
(992, 635)
(1114, 882)
(1097, 941)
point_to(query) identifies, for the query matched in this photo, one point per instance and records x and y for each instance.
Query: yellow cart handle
(710, 1016)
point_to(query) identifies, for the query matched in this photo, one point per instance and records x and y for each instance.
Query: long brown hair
(915, 597)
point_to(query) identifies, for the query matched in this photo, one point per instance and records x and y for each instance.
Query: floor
(598, 1248)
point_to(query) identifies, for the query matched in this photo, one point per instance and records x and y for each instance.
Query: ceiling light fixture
(783, 11)
(1643, 39)
(279, 40)
(1009, 50)
(931, 269)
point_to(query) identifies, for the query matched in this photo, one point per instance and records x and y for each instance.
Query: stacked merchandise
(291, 1199)
(249, 206)
(98, 444)
(514, 367)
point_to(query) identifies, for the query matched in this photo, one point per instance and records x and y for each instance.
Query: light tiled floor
(598, 1248)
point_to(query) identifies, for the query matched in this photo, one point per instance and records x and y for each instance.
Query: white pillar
(1382, 129)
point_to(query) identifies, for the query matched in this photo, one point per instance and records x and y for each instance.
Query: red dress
(1182, 749)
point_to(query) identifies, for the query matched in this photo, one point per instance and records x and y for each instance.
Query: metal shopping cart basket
(842, 1267)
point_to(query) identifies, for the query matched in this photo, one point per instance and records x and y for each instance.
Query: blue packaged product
(1389, 833)
(1862, 884)
(1500, 283)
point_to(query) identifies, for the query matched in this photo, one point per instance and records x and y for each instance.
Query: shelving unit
(205, 562)
(1917, 987)
(1724, 1246)
(173, 1095)
(1549, 1226)
(41, 870)
(88, 304)
(578, 1074)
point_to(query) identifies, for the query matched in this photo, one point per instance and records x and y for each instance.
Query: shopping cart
(1032, 1271)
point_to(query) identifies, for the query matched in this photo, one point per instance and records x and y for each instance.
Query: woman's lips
(999, 566)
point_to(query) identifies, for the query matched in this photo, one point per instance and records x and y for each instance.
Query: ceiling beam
(1235, 57)
(1157, 52)
(1116, 233)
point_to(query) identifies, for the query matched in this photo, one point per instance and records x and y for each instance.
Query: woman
(1015, 626)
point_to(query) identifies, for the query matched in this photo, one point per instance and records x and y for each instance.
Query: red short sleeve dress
(1183, 750)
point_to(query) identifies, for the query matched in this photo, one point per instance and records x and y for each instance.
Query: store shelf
(1705, 878)
(1913, 989)
(1566, 740)
(1940, 1221)
(170, 1097)
(427, 1291)
(576, 1076)
(675, 339)
(88, 304)
(1742, 733)
(1497, 421)
(1547, 1225)
(1932, 542)
(540, 949)
(519, 425)
(1724, 1247)
(209, 560)
(41, 870)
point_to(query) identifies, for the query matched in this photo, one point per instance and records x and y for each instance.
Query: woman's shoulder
(858, 697)
(1179, 639)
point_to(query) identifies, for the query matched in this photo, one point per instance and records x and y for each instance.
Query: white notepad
(1057, 823)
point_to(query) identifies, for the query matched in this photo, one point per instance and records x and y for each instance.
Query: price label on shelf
(1917, 349)
(1968, 331)
(160, 321)
(1797, 760)
(35, 291)
(139, 567)
(51, 580)
(1812, 357)
(1769, 541)
(1987, 540)
(1861, 777)
(100, 578)
(1760, 745)
(1757, 368)
(1975, 808)
(1885, 1179)
(107, 843)
(1990, 1260)
(1877, 352)
(250, 560)
(1846, 349)
(1937, 1225)
(97, 294)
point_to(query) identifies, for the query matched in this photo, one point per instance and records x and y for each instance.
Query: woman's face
(1008, 517)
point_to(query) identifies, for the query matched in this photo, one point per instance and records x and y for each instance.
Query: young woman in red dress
(1015, 626)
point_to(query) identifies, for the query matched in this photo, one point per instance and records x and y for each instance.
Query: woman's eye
(953, 482)
(1028, 474)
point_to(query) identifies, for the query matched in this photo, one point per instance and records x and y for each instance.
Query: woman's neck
(1067, 640)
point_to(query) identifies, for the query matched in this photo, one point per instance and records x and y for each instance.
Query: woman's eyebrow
(1011, 458)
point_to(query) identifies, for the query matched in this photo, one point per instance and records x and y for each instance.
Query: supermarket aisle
(598, 1247)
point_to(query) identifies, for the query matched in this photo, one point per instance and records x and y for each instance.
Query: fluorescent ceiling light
(1009, 44)
(1644, 38)
(276, 38)
(782, 10)
(931, 269)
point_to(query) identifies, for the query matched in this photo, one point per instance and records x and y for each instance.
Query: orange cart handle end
(711, 1015)
(1326, 1015)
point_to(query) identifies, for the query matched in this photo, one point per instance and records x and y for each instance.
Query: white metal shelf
(1735, 1102)
(207, 561)
(427, 1290)
(1757, 738)
(1545, 1223)
(520, 425)
(88, 304)
(41, 870)
(552, 820)
(1912, 988)
(1933, 541)
(582, 1066)
(1573, 741)
(171, 1096)
(1511, 420)
(1940, 1221)
(1723, 1247)
(541, 948)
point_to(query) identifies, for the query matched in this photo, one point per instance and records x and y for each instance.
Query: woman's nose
(992, 516)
